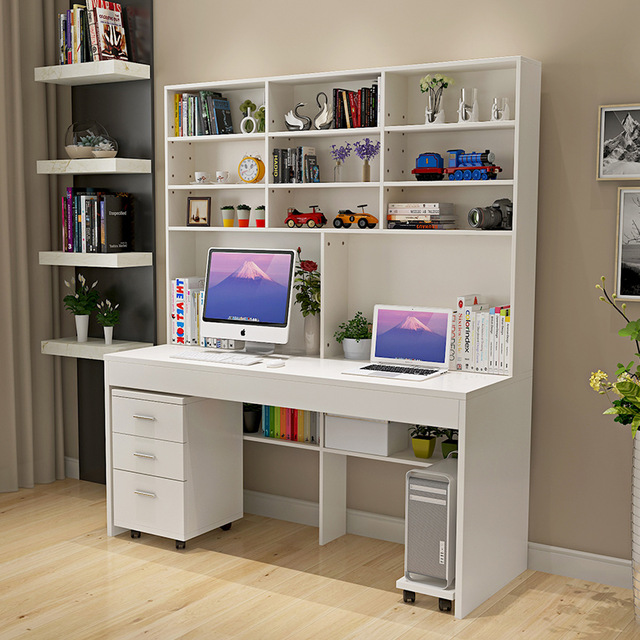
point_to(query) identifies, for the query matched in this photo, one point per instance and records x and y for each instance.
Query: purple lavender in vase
(366, 150)
(339, 154)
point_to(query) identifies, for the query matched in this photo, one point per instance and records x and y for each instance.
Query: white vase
(312, 335)
(635, 525)
(356, 349)
(82, 327)
(108, 335)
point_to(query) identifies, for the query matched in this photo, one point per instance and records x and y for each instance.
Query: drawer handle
(145, 493)
(143, 417)
(148, 456)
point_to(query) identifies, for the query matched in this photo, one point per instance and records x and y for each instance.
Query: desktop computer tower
(430, 523)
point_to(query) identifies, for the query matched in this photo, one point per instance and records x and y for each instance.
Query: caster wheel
(226, 527)
(180, 544)
(408, 596)
(444, 605)
(135, 534)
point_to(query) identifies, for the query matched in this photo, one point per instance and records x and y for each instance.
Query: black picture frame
(627, 277)
(198, 212)
(619, 142)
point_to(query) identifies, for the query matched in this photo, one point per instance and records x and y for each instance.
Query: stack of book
(480, 337)
(95, 31)
(420, 215)
(290, 424)
(96, 221)
(352, 109)
(299, 164)
(205, 113)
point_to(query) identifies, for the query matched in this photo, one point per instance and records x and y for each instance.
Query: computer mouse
(275, 363)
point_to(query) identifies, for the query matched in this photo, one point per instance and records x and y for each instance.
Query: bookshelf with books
(113, 87)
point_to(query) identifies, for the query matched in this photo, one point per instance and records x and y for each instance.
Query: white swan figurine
(296, 121)
(324, 118)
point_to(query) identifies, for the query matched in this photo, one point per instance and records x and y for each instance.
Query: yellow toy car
(346, 218)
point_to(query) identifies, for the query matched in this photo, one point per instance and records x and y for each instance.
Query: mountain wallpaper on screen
(248, 293)
(413, 339)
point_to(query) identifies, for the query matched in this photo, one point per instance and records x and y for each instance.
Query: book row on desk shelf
(480, 337)
(97, 30)
(296, 425)
(96, 221)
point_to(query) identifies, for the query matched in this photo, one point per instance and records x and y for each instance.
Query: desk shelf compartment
(279, 442)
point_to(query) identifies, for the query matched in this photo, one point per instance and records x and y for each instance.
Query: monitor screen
(248, 293)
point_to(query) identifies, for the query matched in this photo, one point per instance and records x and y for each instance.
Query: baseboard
(360, 523)
(564, 562)
(615, 572)
(71, 468)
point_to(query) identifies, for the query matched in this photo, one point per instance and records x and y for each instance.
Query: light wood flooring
(62, 578)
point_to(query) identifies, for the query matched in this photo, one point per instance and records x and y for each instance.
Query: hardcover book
(106, 30)
(116, 217)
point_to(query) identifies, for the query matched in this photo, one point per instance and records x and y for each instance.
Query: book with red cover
(106, 30)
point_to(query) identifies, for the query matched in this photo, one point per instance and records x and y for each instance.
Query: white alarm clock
(251, 169)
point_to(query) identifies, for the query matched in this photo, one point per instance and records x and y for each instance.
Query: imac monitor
(248, 296)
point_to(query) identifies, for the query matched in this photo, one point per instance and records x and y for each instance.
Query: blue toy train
(462, 166)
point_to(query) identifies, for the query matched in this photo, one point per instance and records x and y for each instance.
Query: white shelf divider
(108, 260)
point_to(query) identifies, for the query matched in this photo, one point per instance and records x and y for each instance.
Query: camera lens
(485, 218)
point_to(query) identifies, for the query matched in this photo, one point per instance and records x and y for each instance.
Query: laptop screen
(412, 335)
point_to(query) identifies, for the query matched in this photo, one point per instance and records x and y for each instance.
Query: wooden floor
(62, 578)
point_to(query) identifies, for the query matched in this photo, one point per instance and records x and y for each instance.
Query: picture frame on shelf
(627, 280)
(619, 142)
(199, 212)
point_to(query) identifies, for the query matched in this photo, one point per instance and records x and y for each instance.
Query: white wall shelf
(94, 166)
(93, 349)
(99, 72)
(107, 260)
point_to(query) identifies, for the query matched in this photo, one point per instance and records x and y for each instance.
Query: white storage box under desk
(376, 437)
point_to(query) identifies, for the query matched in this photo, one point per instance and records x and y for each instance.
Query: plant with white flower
(108, 315)
(434, 86)
(83, 299)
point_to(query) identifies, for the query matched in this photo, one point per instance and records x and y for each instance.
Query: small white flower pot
(82, 327)
(108, 335)
(356, 350)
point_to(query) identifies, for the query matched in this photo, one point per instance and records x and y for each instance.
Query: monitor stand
(259, 348)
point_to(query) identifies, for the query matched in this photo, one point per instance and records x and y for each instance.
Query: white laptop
(408, 343)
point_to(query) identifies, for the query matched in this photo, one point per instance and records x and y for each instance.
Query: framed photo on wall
(619, 142)
(628, 248)
(198, 212)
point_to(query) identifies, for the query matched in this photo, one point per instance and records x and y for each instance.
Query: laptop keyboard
(395, 369)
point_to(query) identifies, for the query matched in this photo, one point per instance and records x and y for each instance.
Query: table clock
(251, 169)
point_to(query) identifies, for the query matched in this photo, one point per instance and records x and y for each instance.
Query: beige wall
(580, 480)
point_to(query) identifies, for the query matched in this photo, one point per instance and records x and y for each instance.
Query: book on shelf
(184, 309)
(204, 113)
(296, 425)
(420, 224)
(106, 30)
(295, 165)
(355, 108)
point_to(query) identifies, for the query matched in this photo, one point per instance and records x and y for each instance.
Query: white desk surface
(453, 385)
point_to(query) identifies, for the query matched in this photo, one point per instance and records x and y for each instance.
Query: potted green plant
(450, 442)
(108, 317)
(355, 337)
(244, 211)
(81, 303)
(423, 440)
(251, 417)
(259, 215)
(228, 215)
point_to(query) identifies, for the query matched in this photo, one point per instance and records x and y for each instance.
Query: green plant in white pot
(355, 337)
(423, 440)
(81, 302)
(108, 317)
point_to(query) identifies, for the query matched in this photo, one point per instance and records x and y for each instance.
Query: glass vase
(81, 138)
(312, 335)
(337, 171)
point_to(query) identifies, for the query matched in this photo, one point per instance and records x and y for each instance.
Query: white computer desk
(491, 413)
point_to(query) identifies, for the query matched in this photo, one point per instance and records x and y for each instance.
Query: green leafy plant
(84, 298)
(450, 435)
(358, 328)
(243, 207)
(93, 141)
(108, 315)
(260, 207)
(307, 284)
(227, 207)
(423, 432)
(626, 405)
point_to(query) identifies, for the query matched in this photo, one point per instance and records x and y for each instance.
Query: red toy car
(313, 219)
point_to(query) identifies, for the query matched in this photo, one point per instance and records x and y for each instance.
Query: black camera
(499, 215)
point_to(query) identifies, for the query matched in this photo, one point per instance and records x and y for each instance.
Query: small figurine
(296, 121)
(248, 123)
(468, 112)
(346, 218)
(324, 119)
(429, 166)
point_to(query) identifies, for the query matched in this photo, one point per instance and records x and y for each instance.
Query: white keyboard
(216, 357)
